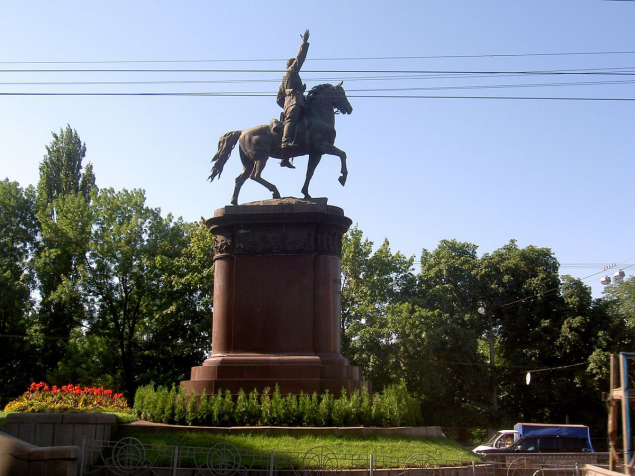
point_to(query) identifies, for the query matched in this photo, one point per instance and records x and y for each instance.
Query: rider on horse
(291, 98)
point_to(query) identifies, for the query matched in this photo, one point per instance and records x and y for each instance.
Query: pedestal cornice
(281, 226)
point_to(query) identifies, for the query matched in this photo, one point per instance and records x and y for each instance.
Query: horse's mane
(316, 91)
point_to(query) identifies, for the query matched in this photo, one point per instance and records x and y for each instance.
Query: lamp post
(490, 335)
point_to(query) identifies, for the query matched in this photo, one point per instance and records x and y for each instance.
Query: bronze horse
(315, 136)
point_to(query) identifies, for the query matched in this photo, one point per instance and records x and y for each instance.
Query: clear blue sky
(548, 172)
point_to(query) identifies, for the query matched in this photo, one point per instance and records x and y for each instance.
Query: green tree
(17, 244)
(61, 252)
(469, 367)
(61, 170)
(520, 290)
(62, 210)
(371, 283)
(141, 274)
(183, 304)
(620, 300)
(452, 378)
(586, 331)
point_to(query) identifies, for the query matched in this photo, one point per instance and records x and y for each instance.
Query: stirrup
(286, 163)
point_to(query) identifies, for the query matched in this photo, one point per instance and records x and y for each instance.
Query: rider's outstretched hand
(305, 37)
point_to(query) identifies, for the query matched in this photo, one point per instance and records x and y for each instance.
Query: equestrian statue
(307, 127)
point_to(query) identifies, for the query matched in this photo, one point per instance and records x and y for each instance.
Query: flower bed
(42, 398)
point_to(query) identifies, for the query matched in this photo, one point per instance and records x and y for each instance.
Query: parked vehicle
(501, 439)
(530, 437)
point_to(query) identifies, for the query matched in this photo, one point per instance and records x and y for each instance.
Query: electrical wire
(376, 75)
(434, 88)
(210, 94)
(548, 292)
(375, 58)
(621, 71)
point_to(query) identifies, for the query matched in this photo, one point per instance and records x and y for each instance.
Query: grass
(403, 447)
(290, 451)
(379, 446)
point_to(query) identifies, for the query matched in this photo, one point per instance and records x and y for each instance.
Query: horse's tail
(226, 144)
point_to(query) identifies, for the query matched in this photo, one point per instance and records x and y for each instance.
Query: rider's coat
(291, 90)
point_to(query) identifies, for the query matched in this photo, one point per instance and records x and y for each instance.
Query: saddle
(301, 126)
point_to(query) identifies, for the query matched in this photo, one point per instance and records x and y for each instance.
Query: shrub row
(392, 407)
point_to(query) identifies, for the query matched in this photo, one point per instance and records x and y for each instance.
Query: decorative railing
(129, 456)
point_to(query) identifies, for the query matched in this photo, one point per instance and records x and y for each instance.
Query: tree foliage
(100, 289)
(61, 171)
(17, 245)
(425, 330)
(62, 208)
(95, 286)
(138, 304)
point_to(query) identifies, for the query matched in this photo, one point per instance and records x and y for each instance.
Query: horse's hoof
(342, 180)
(276, 195)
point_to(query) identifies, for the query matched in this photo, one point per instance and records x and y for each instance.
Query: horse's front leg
(328, 148)
(314, 160)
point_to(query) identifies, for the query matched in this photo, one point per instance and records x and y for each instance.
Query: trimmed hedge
(392, 407)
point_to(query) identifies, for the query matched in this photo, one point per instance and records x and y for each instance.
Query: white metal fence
(130, 457)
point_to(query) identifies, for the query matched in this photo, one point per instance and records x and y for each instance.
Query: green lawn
(388, 447)
(439, 448)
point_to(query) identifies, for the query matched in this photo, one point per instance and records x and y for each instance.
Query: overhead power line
(613, 71)
(350, 58)
(432, 88)
(396, 96)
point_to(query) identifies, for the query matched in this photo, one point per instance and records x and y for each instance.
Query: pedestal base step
(293, 374)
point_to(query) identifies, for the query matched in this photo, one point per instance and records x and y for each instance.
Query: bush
(392, 407)
(340, 412)
(227, 409)
(325, 410)
(204, 410)
(307, 407)
(253, 409)
(180, 405)
(191, 414)
(42, 398)
(366, 409)
(279, 413)
(395, 407)
(241, 409)
(265, 408)
(293, 410)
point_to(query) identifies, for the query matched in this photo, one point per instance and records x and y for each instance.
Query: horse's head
(340, 101)
(327, 95)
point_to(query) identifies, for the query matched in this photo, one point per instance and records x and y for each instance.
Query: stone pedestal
(277, 300)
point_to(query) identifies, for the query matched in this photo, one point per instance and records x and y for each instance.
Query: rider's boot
(285, 157)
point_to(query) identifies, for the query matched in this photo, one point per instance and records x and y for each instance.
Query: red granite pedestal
(277, 300)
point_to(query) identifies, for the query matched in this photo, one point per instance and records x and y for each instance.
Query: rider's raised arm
(301, 56)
